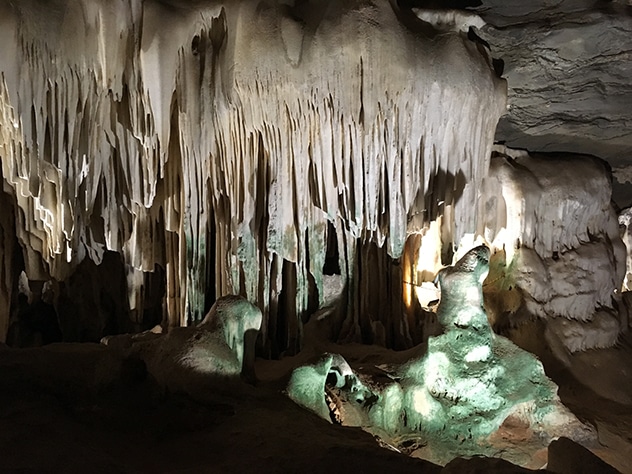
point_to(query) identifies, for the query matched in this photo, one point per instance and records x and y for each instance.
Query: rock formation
(186, 358)
(468, 394)
(332, 162)
(227, 161)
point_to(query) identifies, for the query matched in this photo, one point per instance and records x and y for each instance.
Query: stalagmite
(219, 142)
(467, 392)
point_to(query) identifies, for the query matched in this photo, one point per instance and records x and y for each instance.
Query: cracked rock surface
(568, 65)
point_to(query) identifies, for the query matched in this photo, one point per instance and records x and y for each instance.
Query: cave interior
(315, 236)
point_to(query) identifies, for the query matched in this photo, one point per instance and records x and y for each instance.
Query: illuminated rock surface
(557, 253)
(155, 157)
(169, 136)
(625, 220)
(183, 360)
(557, 250)
(468, 394)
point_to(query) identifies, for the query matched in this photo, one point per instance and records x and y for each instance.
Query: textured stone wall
(220, 142)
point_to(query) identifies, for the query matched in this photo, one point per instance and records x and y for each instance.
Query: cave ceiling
(568, 66)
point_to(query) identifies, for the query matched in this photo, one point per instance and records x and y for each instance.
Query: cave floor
(52, 419)
(597, 387)
(134, 429)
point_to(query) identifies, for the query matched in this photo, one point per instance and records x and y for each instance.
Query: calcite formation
(185, 359)
(558, 253)
(465, 394)
(226, 143)
(308, 384)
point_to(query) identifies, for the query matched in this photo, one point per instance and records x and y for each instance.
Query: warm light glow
(427, 265)
(429, 257)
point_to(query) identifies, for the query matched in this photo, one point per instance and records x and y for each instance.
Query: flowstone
(221, 347)
(472, 392)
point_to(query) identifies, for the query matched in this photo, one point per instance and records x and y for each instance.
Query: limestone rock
(220, 142)
(470, 392)
(568, 66)
(557, 249)
(186, 358)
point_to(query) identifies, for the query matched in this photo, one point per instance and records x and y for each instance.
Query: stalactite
(135, 127)
(8, 248)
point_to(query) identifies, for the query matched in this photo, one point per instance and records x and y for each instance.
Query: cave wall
(219, 143)
(568, 65)
(558, 260)
(558, 257)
